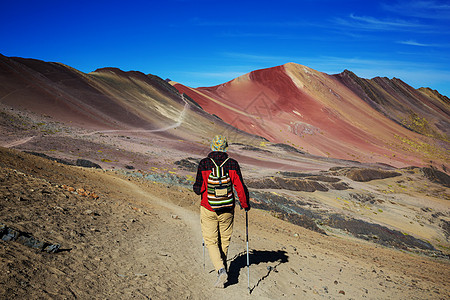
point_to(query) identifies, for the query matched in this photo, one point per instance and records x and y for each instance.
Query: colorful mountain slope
(104, 100)
(327, 115)
(423, 111)
(339, 116)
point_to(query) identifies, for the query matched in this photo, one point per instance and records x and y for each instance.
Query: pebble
(342, 292)
(270, 268)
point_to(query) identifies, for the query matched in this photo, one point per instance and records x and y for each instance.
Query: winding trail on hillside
(18, 142)
(15, 91)
(178, 123)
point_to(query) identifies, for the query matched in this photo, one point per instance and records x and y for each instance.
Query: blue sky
(204, 43)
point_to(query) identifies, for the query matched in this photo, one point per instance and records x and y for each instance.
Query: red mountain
(340, 116)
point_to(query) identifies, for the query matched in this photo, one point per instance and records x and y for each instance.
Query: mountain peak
(340, 115)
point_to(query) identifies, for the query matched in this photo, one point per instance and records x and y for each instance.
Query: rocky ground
(141, 240)
(111, 215)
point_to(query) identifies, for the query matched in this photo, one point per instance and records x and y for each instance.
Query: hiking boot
(222, 277)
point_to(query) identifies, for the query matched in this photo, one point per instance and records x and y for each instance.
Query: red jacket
(231, 166)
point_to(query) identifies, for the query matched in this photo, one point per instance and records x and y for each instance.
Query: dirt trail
(180, 245)
(141, 240)
(286, 261)
(18, 142)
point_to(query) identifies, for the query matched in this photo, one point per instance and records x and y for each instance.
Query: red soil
(324, 117)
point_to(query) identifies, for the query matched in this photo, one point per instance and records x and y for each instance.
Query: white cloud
(375, 24)
(426, 9)
(414, 43)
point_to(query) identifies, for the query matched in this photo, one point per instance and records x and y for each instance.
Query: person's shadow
(255, 257)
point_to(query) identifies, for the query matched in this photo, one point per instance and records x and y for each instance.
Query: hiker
(217, 174)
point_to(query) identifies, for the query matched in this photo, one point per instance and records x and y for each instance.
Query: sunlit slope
(424, 111)
(58, 91)
(104, 100)
(317, 113)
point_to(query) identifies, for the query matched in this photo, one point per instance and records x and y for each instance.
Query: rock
(52, 248)
(87, 164)
(252, 148)
(58, 160)
(364, 175)
(293, 184)
(93, 195)
(24, 238)
(436, 176)
(81, 192)
(288, 148)
(188, 164)
(341, 292)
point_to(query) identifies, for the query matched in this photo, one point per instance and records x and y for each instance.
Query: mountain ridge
(341, 220)
(105, 99)
(313, 108)
(341, 116)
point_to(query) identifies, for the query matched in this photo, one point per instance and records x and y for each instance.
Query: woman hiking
(217, 174)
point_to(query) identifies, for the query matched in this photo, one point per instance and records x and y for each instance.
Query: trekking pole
(248, 258)
(203, 243)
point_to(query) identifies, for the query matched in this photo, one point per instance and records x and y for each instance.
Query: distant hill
(424, 111)
(340, 116)
(106, 99)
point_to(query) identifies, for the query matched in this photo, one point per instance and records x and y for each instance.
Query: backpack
(220, 189)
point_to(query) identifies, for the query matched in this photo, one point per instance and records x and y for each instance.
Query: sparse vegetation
(421, 125)
(428, 150)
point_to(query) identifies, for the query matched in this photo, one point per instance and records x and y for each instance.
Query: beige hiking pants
(217, 230)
